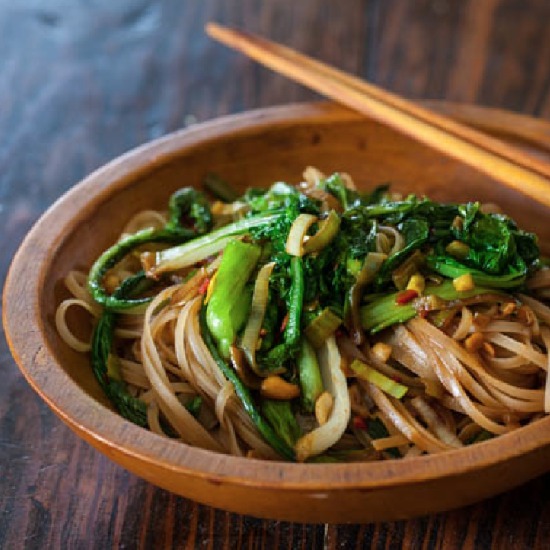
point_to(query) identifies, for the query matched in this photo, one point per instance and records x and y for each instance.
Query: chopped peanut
(489, 349)
(417, 282)
(464, 283)
(275, 387)
(508, 308)
(382, 351)
(474, 342)
(323, 407)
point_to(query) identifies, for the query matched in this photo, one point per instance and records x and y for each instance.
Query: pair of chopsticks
(503, 162)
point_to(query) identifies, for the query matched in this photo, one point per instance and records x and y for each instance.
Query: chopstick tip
(215, 30)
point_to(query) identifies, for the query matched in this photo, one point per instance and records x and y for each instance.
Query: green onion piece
(363, 371)
(328, 229)
(323, 326)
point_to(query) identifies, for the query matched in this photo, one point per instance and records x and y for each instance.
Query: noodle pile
(474, 369)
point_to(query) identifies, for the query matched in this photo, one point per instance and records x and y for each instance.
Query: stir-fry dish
(317, 323)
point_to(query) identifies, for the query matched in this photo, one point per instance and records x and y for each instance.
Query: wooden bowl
(258, 148)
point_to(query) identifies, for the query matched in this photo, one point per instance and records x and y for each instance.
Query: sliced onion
(251, 333)
(398, 239)
(297, 233)
(328, 229)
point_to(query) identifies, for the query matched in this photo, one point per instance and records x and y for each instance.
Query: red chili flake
(359, 423)
(284, 323)
(204, 286)
(406, 296)
(263, 331)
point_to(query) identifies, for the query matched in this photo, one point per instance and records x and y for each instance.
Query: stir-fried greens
(293, 279)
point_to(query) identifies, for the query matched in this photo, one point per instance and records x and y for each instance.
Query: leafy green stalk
(321, 327)
(291, 337)
(102, 342)
(201, 247)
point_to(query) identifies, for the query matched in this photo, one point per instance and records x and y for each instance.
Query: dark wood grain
(82, 82)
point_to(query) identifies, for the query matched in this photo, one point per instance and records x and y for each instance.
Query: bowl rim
(80, 411)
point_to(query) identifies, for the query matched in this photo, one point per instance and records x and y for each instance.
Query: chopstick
(507, 164)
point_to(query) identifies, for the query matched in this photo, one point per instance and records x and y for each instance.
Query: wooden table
(82, 82)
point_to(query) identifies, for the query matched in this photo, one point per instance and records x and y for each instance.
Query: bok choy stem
(238, 261)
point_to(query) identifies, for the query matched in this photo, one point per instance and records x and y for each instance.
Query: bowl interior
(248, 150)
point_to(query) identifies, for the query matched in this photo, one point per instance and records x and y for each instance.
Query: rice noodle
(62, 327)
(465, 324)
